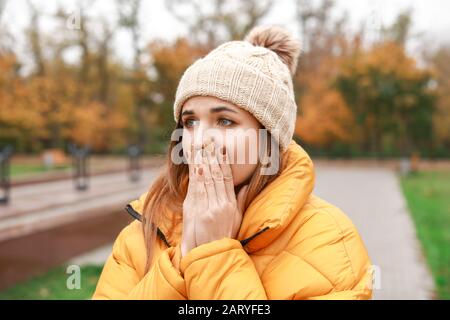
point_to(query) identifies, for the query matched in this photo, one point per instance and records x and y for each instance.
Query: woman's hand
(211, 210)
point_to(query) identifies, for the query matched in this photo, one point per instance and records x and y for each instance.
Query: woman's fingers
(200, 193)
(217, 174)
(196, 189)
(215, 183)
(193, 160)
(208, 181)
(189, 155)
(188, 241)
(190, 172)
(224, 161)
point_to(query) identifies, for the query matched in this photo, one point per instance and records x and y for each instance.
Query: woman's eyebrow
(213, 110)
(187, 112)
(221, 108)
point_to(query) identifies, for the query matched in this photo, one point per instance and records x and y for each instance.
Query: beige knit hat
(254, 74)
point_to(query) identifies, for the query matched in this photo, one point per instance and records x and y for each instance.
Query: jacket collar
(272, 210)
(277, 204)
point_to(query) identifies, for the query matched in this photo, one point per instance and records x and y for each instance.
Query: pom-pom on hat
(254, 74)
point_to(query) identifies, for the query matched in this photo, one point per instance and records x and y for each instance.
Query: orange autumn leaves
(59, 106)
(54, 108)
(50, 109)
(365, 97)
(324, 116)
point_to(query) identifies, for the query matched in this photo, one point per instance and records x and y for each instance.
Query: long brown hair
(168, 191)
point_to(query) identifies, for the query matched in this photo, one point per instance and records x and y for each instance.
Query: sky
(430, 17)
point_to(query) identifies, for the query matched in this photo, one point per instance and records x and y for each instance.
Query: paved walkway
(42, 206)
(372, 198)
(97, 256)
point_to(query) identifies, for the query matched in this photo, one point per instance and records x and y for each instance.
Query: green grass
(52, 285)
(428, 197)
(24, 169)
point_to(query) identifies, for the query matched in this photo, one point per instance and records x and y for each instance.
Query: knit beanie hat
(254, 74)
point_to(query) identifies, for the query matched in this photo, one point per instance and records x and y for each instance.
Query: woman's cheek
(236, 174)
(240, 168)
(242, 172)
(186, 146)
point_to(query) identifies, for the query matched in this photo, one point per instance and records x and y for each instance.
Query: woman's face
(204, 117)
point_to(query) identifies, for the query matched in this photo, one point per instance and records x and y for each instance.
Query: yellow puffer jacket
(291, 245)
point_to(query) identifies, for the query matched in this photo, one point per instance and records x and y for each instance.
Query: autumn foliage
(354, 98)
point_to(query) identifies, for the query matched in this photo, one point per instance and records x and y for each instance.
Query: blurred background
(86, 94)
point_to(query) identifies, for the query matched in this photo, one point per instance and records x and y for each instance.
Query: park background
(372, 86)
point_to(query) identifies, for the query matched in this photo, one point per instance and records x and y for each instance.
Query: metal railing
(134, 154)
(5, 174)
(80, 167)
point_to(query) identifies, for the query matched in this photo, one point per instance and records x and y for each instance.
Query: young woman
(214, 227)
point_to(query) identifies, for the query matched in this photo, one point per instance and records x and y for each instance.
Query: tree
(128, 11)
(324, 118)
(58, 102)
(6, 39)
(169, 63)
(390, 98)
(35, 39)
(210, 23)
(400, 31)
(439, 64)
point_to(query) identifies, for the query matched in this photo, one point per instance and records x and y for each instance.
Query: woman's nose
(202, 138)
(199, 144)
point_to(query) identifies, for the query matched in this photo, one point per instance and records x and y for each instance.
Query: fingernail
(200, 171)
(224, 150)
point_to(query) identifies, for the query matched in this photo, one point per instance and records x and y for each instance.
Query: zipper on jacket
(245, 241)
(136, 215)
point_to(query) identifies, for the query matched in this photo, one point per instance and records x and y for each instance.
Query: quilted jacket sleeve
(221, 269)
(326, 260)
(120, 279)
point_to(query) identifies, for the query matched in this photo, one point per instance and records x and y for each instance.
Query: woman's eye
(188, 123)
(225, 122)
